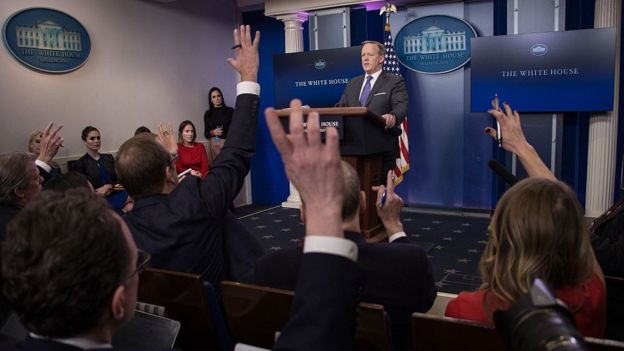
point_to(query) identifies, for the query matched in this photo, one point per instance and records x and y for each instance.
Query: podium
(363, 140)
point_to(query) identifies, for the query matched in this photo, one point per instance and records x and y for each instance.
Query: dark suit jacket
(323, 313)
(388, 95)
(398, 276)
(54, 172)
(608, 240)
(7, 212)
(32, 344)
(89, 167)
(183, 230)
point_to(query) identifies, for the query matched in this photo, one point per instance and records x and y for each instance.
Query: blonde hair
(537, 231)
(35, 133)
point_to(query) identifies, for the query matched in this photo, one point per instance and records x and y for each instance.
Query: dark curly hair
(64, 256)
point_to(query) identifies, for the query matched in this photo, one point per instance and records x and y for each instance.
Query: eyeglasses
(142, 260)
(174, 158)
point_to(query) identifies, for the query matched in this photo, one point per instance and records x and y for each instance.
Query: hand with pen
(389, 205)
(512, 139)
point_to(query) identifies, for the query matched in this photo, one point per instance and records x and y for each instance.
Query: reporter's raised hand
(50, 143)
(390, 210)
(513, 140)
(313, 168)
(247, 59)
(167, 138)
(511, 129)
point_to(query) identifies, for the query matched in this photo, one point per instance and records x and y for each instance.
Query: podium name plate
(326, 122)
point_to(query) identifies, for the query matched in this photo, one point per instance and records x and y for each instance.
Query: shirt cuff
(248, 88)
(43, 165)
(395, 236)
(331, 245)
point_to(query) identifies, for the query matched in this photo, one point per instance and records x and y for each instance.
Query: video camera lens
(538, 321)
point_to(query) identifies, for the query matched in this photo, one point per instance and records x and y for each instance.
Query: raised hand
(247, 59)
(167, 138)
(513, 140)
(389, 210)
(313, 168)
(51, 141)
(511, 129)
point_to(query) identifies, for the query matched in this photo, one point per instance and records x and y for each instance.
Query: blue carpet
(453, 243)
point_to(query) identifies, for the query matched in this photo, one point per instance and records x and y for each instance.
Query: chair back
(190, 300)
(615, 307)
(432, 333)
(146, 331)
(256, 313)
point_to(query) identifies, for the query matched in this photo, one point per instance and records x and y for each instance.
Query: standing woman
(190, 153)
(217, 122)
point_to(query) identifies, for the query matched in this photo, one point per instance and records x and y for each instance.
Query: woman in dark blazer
(99, 168)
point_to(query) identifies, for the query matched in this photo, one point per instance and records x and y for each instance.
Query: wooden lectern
(362, 142)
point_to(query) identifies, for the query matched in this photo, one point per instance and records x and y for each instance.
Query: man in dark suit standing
(384, 94)
(70, 271)
(181, 223)
(398, 274)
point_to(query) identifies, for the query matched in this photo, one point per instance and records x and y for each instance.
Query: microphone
(502, 172)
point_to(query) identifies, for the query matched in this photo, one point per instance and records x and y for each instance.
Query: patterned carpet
(455, 242)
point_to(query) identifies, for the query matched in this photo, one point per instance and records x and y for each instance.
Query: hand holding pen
(389, 204)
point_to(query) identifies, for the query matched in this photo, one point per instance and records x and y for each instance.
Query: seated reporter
(44, 147)
(20, 183)
(191, 154)
(322, 316)
(70, 270)
(537, 231)
(398, 274)
(99, 168)
(48, 168)
(182, 223)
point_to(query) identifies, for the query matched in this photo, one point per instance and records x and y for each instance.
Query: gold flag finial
(388, 8)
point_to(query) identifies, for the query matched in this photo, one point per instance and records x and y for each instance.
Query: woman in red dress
(191, 154)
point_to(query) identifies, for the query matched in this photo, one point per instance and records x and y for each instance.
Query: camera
(538, 321)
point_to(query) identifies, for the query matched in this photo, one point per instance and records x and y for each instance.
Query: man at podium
(384, 94)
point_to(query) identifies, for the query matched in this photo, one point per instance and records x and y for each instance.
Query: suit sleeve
(227, 175)
(204, 160)
(399, 100)
(110, 164)
(344, 99)
(323, 312)
(207, 128)
(609, 251)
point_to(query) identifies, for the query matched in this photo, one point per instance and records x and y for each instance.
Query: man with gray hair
(20, 182)
(21, 176)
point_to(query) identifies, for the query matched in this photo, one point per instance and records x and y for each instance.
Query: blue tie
(366, 91)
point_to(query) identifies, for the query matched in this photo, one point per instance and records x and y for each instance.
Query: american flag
(391, 65)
